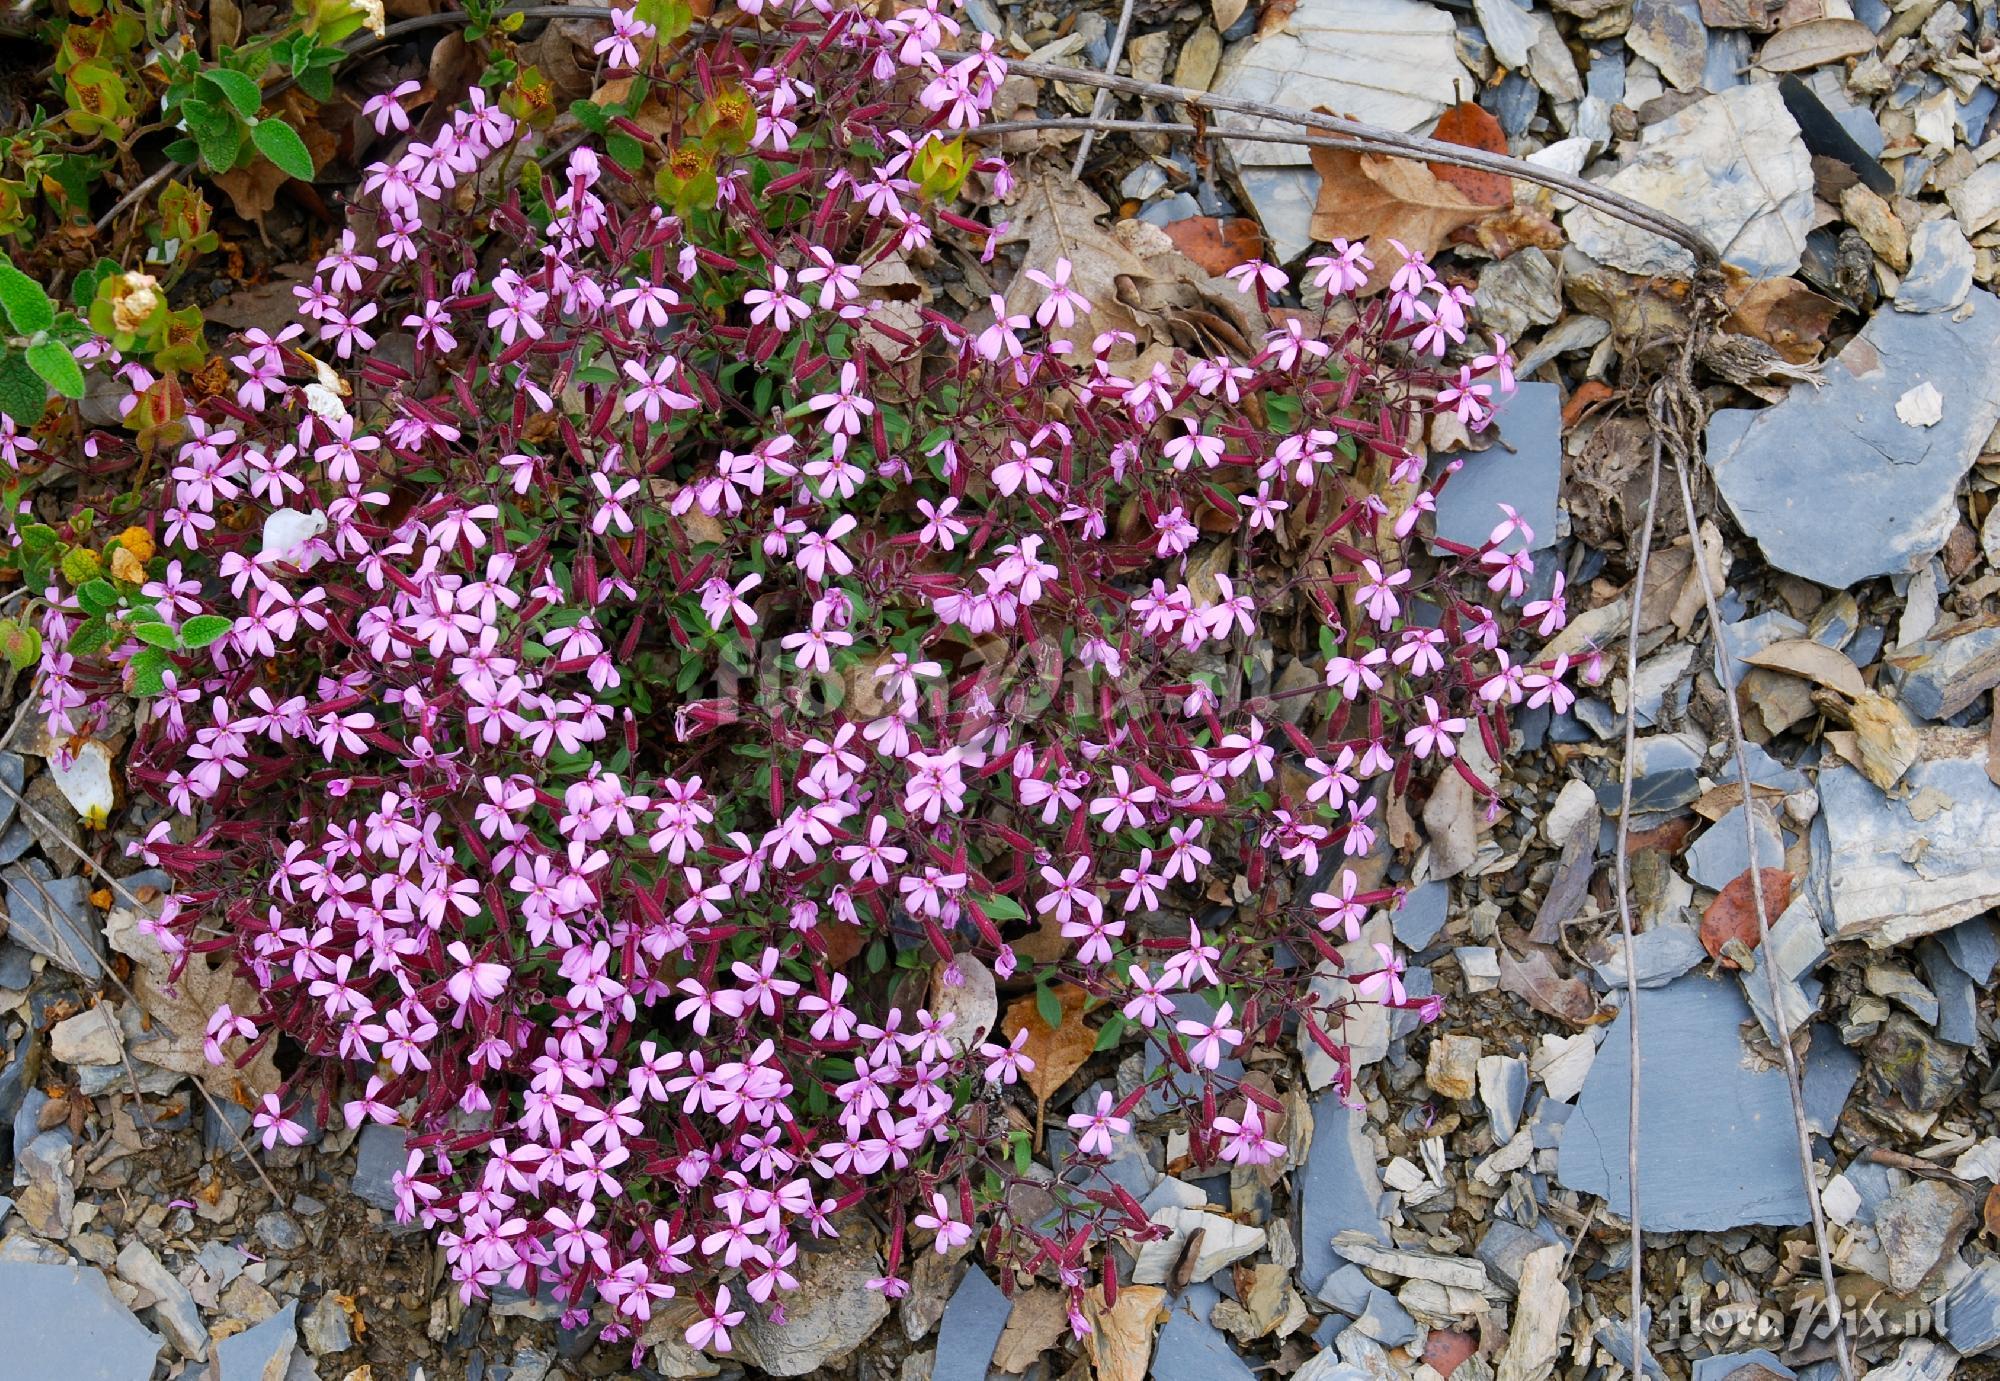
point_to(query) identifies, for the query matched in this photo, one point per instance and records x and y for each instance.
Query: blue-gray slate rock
(1716, 1145)
(1832, 485)
(1974, 946)
(63, 1321)
(1957, 995)
(1190, 1348)
(1659, 956)
(381, 1157)
(1523, 467)
(264, 1352)
(1374, 1310)
(1422, 915)
(1940, 269)
(1971, 1310)
(970, 1330)
(1722, 854)
(1724, 1365)
(51, 916)
(1339, 1189)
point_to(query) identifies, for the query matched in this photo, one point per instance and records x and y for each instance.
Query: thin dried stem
(1677, 429)
(1622, 868)
(1103, 99)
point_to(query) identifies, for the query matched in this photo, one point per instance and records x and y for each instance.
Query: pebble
(973, 1320)
(280, 1232)
(262, 1353)
(1917, 1227)
(327, 1328)
(1452, 1069)
(51, 916)
(381, 1157)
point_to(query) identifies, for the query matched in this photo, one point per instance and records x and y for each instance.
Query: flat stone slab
(1896, 876)
(63, 1321)
(1717, 1148)
(1831, 483)
(1522, 467)
(973, 1320)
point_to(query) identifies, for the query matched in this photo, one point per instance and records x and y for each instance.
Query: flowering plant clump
(598, 658)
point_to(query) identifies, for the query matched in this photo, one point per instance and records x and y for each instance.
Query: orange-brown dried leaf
(1470, 127)
(1362, 197)
(1057, 1051)
(1733, 913)
(1785, 314)
(1990, 1215)
(1216, 244)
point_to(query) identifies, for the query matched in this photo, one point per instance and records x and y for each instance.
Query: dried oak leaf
(1363, 197)
(1535, 981)
(1733, 913)
(1039, 1319)
(1058, 1051)
(1058, 218)
(1469, 126)
(179, 1008)
(1811, 661)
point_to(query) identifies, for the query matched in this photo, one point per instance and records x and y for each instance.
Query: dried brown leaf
(1816, 43)
(1057, 1051)
(1059, 218)
(1216, 244)
(1363, 197)
(1535, 981)
(1814, 662)
(179, 1007)
(1471, 126)
(1733, 913)
(1990, 1215)
(1783, 313)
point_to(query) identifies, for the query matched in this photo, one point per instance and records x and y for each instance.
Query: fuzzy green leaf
(203, 629)
(239, 90)
(28, 307)
(280, 143)
(57, 367)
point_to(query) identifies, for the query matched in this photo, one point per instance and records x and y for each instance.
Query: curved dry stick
(1609, 203)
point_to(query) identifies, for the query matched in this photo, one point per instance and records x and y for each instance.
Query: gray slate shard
(1940, 273)
(1723, 852)
(1957, 994)
(1971, 1310)
(63, 1321)
(1716, 1147)
(1659, 956)
(1503, 1088)
(381, 1157)
(1974, 946)
(1834, 486)
(1506, 1246)
(1190, 1348)
(51, 916)
(1422, 915)
(1339, 1189)
(1942, 676)
(1183, 1084)
(16, 966)
(1830, 1072)
(246, 1356)
(14, 774)
(1666, 774)
(1522, 467)
(15, 841)
(970, 1330)
(1724, 1365)
(1374, 1310)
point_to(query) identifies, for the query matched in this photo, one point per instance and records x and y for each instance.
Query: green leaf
(28, 307)
(627, 152)
(148, 670)
(83, 292)
(1048, 1006)
(157, 635)
(203, 629)
(23, 395)
(1109, 1033)
(98, 596)
(21, 643)
(239, 90)
(217, 131)
(57, 367)
(280, 143)
(999, 909)
(92, 636)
